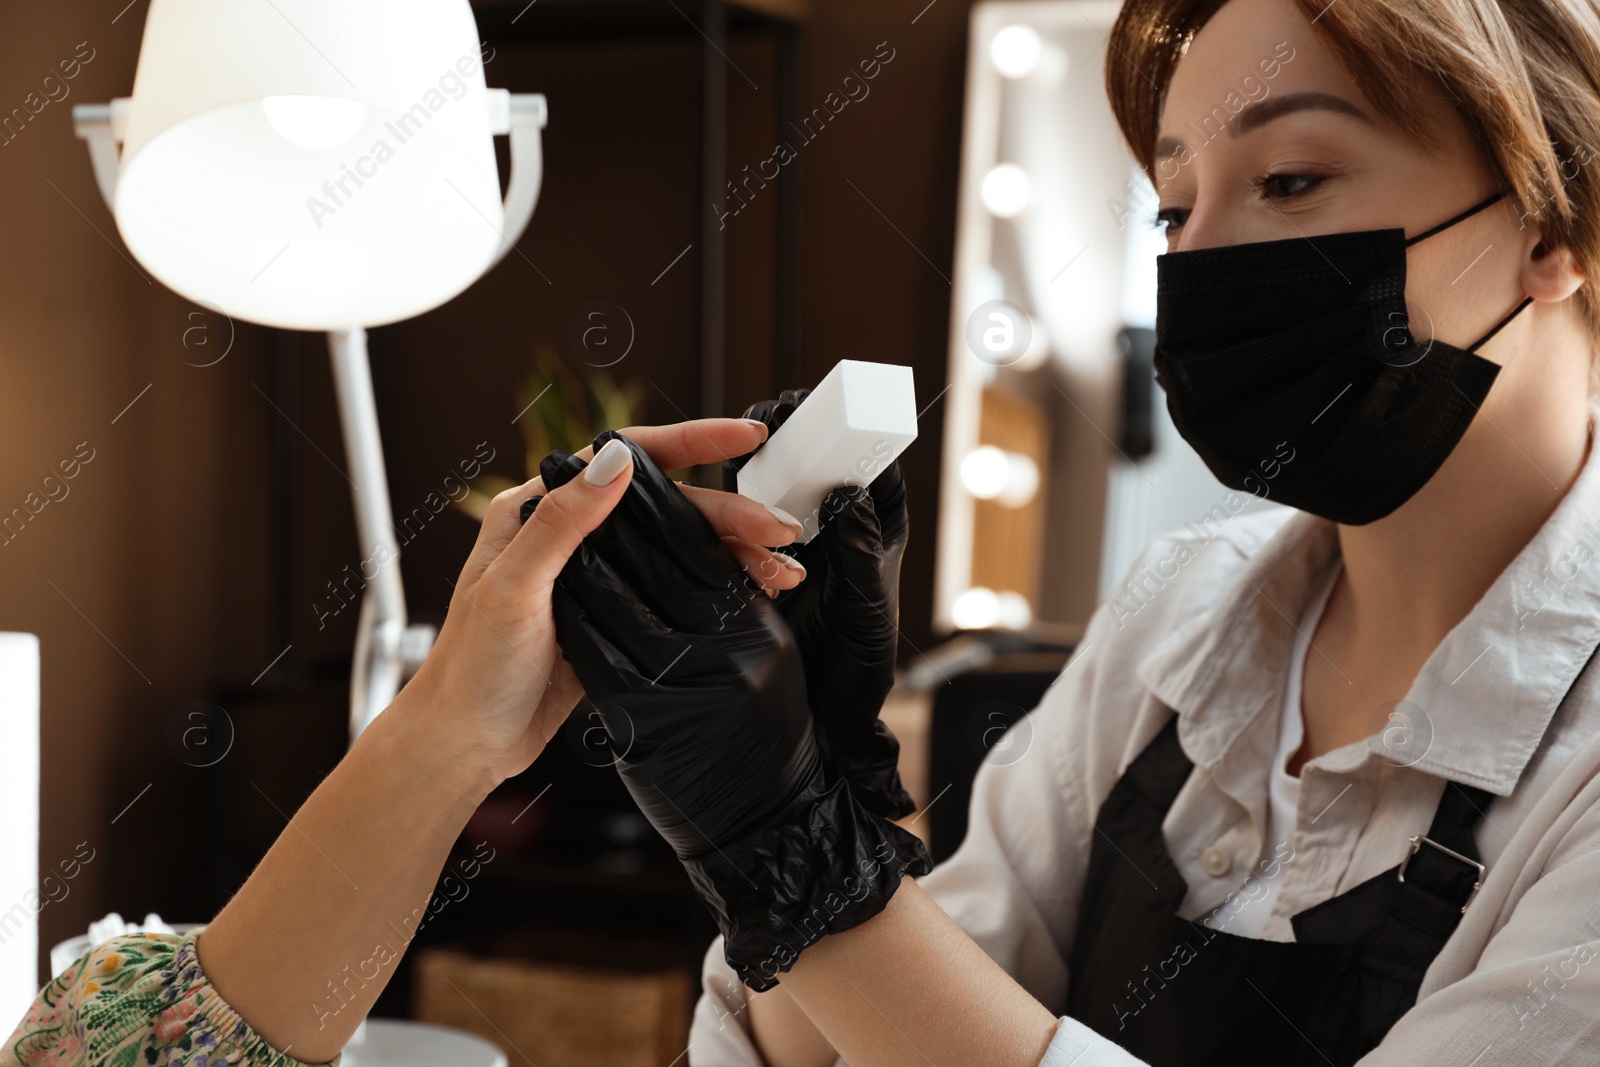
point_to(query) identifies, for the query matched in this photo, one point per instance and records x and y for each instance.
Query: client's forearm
(306, 945)
(785, 1035)
(908, 987)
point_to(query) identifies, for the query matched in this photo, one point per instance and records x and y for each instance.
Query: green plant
(561, 408)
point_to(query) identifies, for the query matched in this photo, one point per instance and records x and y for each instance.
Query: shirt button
(1216, 861)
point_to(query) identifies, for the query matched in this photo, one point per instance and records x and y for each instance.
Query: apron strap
(1159, 772)
(1434, 883)
(1444, 861)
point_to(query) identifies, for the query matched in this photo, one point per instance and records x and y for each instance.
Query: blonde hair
(1524, 75)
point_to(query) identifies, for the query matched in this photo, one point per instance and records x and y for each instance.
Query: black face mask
(1290, 368)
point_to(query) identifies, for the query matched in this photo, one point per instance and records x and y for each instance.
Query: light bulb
(1008, 478)
(1012, 610)
(976, 609)
(1015, 51)
(985, 472)
(315, 123)
(1006, 190)
(1022, 481)
(1037, 352)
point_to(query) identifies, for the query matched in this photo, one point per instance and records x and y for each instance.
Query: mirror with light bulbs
(1060, 462)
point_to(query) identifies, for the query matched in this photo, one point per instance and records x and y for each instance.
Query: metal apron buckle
(1418, 840)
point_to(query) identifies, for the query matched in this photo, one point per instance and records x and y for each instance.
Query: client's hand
(845, 619)
(495, 677)
(701, 689)
(491, 676)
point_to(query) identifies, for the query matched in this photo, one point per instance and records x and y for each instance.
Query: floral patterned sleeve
(139, 1000)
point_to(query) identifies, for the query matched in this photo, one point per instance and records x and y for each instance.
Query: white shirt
(1199, 626)
(1245, 913)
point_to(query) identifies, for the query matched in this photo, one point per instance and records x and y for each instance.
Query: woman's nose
(1206, 226)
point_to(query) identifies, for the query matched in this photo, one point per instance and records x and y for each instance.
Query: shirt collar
(1483, 699)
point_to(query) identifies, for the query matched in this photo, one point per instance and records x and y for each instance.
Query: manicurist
(1319, 784)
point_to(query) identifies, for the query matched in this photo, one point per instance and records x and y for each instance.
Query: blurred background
(737, 194)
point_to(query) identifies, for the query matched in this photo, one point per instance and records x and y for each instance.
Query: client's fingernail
(790, 562)
(609, 462)
(783, 516)
(758, 422)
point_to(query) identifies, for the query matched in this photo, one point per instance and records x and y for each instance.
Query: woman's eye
(1283, 186)
(1271, 186)
(1168, 219)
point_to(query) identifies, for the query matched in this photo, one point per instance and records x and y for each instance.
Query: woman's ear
(1550, 274)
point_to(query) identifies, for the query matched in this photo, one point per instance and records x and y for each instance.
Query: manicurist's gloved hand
(845, 617)
(702, 691)
(495, 680)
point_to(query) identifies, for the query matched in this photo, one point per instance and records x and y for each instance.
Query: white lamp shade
(312, 164)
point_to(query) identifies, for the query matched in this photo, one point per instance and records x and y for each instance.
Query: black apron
(1180, 994)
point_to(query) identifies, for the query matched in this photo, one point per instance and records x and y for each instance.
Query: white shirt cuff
(1076, 1045)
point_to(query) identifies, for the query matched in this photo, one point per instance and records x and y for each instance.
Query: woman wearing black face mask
(1326, 790)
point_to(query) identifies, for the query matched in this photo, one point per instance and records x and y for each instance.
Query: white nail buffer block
(854, 424)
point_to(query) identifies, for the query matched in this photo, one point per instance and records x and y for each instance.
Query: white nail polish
(611, 461)
(783, 516)
(791, 563)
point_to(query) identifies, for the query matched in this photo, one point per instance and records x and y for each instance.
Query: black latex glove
(845, 617)
(699, 684)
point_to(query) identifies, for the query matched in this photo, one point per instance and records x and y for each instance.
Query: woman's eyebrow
(1255, 115)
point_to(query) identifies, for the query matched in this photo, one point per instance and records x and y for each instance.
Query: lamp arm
(523, 116)
(387, 649)
(102, 126)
